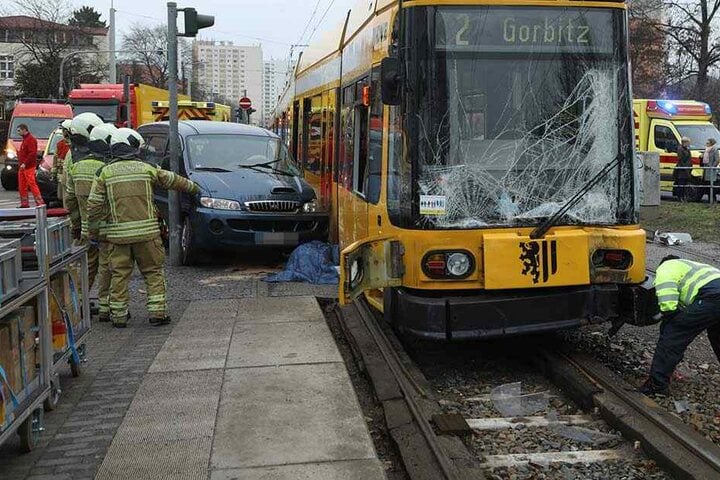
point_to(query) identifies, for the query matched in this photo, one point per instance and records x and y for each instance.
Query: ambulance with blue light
(659, 126)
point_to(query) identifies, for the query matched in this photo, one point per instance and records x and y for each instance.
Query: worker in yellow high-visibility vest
(688, 295)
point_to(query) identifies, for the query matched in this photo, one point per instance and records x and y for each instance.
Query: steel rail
(408, 387)
(692, 445)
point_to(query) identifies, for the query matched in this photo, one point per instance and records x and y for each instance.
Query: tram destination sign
(525, 29)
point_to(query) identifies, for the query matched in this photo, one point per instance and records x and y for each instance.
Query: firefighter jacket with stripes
(677, 282)
(79, 178)
(125, 189)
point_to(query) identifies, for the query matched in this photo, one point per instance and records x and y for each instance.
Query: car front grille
(272, 225)
(273, 206)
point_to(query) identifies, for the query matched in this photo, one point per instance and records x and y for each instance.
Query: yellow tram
(476, 159)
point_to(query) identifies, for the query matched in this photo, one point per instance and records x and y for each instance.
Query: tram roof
(330, 40)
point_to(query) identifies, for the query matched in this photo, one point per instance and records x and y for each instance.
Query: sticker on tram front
(432, 205)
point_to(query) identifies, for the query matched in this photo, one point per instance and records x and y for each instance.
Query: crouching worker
(688, 295)
(124, 188)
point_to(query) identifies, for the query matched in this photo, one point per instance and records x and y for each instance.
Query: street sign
(245, 103)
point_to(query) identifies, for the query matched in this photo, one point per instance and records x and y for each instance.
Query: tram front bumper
(486, 314)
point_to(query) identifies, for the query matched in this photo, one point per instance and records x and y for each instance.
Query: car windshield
(234, 152)
(52, 143)
(108, 113)
(699, 134)
(40, 127)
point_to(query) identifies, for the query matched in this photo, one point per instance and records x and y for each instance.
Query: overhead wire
(321, 20)
(307, 25)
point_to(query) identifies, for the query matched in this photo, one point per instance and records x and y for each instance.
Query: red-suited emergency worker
(27, 165)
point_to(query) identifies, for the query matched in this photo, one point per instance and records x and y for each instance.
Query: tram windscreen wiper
(543, 228)
(211, 169)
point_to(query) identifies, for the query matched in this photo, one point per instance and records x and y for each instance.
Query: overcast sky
(276, 24)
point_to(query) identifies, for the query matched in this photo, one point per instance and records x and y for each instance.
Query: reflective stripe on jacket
(125, 189)
(79, 179)
(677, 282)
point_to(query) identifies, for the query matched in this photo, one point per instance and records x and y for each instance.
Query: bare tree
(690, 28)
(47, 41)
(148, 45)
(648, 57)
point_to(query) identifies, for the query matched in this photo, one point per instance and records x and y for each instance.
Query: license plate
(516, 261)
(276, 238)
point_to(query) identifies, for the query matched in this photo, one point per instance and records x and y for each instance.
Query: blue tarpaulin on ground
(313, 262)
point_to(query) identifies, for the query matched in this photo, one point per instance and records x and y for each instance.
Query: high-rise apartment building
(274, 76)
(227, 71)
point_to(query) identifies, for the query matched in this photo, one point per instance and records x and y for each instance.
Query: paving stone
(281, 344)
(282, 310)
(369, 469)
(314, 406)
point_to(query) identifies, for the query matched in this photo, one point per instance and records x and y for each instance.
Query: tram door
(353, 207)
(328, 185)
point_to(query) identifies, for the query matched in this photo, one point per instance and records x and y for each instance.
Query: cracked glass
(508, 113)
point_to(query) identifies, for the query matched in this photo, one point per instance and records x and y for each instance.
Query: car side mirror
(390, 80)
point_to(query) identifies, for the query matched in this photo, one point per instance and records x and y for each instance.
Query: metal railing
(711, 187)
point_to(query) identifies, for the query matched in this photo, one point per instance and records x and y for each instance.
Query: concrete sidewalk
(252, 388)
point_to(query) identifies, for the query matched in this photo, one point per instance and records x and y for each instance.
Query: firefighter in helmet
(79, 178)
(124, 188)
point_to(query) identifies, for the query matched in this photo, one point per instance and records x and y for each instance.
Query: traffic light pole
(174, 147)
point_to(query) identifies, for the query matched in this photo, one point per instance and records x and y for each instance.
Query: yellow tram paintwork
(362, 44)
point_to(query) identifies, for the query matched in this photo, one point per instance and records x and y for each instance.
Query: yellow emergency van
(189, 110)
(659, 126)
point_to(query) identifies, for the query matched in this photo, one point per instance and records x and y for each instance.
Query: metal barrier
(711, 186)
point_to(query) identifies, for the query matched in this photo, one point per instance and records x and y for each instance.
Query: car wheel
(188, 248)
(8, 179)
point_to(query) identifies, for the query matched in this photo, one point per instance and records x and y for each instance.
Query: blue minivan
(252, 192)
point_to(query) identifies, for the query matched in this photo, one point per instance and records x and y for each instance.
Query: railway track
(429, 438)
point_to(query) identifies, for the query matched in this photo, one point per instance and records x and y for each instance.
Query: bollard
(650, 194)
(712, 185)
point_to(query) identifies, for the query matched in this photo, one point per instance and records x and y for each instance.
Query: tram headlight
(457, 264)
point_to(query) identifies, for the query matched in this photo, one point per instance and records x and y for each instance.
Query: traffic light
(195, 22)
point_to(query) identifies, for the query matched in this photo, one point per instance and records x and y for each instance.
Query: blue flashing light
(708, 110)
(668, 107)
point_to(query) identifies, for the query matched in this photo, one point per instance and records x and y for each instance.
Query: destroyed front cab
(502, 131)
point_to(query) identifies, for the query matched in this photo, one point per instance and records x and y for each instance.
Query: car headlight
(310, 207)
(219, 203)
(11, 154)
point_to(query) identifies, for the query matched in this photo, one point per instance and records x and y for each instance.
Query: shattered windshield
(516, 110)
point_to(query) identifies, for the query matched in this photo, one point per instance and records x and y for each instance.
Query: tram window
(349, 96)
(374, 169)
(360, 154)
(315, 130)
(306, 114)
(294, 128)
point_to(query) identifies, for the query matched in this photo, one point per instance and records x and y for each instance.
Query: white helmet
(126, 143)
(65, 124)
(84, 123)
(103, 133)
(99, 142)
